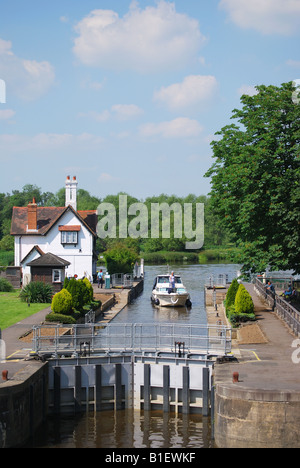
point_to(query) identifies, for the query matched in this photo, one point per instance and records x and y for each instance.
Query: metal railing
(122, 280)
(130, 338)
(284, 309)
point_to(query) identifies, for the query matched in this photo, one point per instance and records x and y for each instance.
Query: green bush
(37, 292)
(231, 293)
(62, 303)
(53, 317)
(120, 259)
(5, 285)
(243, 301)
(88, 291)
(235, 318)
(77, 290)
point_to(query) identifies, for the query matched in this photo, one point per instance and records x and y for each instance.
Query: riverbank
(218, 255)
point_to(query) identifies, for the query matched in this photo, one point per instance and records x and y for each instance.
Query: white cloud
(266, 16)
(293, 63)
(125, 112)
(7, 114)
(247, 89)
(120, 111)
(190, 93)
(96, 116)
(28, 79)
(144, 40)
(178, 128)
(14, 144)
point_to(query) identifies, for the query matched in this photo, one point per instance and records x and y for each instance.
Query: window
(69, 237)
(56, 276)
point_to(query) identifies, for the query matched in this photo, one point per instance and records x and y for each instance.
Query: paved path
(17, 350)
(266, 366)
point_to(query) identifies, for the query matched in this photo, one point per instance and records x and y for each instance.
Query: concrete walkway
(16, 350)
(267, 366)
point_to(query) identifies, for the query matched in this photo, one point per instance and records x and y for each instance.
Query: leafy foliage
(256, 177)
(62, 303)
(243, 301)
(231, 293)
(37, 292)
(120, 259)
(77, 290)
(5, 285)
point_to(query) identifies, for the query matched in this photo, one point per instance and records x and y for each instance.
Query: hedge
(53, 317)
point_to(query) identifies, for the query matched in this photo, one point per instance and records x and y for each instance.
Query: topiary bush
(243, 301)
(37, 292)
(77, 290)
(88, 291)
(231, 293)
(62, 303)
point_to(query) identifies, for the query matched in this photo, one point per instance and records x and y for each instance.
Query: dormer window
(69, 234)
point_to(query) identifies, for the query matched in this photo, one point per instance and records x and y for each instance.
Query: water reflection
(127, 429)
(135, 429)
(194, 278)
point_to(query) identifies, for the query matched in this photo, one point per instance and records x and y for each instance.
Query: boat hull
(170, 300)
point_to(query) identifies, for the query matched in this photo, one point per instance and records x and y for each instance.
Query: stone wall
(23, 405)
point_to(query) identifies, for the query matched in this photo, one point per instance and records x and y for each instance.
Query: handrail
(284, 309)
(130, 338)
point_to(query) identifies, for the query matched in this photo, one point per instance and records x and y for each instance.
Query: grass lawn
(12, 310)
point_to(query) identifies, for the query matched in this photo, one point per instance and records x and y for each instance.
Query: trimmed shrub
(88, 292)
(77, 290)
(5, 285)
(62, 303)
(231, 293)
(243, 301)
(37, 292)
(60, 318)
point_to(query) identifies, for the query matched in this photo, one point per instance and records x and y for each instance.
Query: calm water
(194, 277)
(135, 429)
(125, 429)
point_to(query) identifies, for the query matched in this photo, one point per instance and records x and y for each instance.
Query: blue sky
(127, 95)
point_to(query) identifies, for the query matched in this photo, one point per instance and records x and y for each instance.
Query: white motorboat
(164, 295)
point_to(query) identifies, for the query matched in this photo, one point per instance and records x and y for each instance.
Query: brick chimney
(32, 216)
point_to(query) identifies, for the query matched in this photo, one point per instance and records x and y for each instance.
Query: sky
(128, 95)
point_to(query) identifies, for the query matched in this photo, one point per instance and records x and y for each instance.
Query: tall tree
(256, 177)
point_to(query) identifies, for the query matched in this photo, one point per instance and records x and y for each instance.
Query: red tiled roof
(69, 228)
(47, 217)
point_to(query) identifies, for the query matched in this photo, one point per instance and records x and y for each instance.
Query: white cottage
(62, 231)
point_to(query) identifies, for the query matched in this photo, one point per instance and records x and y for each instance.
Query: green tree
(231, 293)
(255, 179)
(120, 259)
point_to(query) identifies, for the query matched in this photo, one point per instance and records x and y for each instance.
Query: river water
(138, 429)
